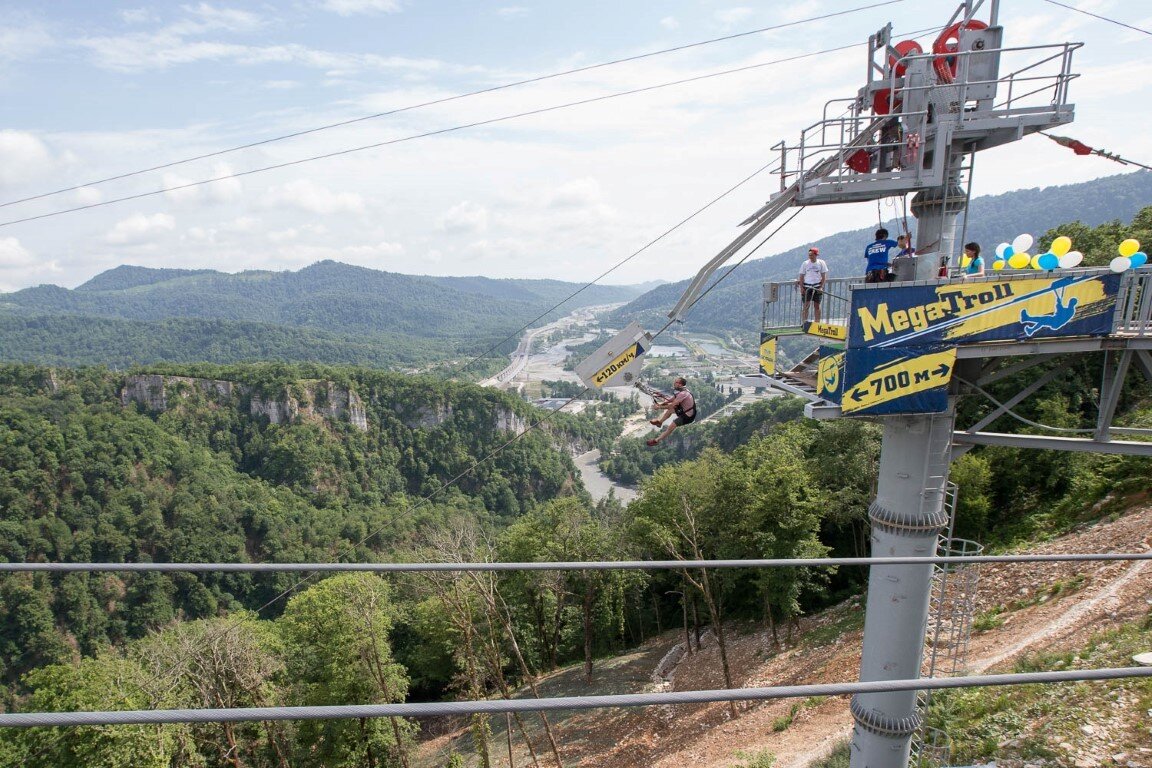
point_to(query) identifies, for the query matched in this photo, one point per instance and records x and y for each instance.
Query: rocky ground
(1021, 609)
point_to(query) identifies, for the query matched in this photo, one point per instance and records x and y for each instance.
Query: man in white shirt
(813, 275)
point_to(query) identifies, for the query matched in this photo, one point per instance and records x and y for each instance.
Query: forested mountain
(736, 303)
(328, 312)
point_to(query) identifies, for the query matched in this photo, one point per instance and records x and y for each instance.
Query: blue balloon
(1138, 259)
(1008, 252)
(1048, 260)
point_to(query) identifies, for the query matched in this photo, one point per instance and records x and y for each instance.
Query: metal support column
(907, 517)
(936, 211)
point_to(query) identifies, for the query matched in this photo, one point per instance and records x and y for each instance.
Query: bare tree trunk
(588, 597)
(718, 625)
(508, 733)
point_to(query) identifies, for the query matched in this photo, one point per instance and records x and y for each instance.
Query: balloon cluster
(1131, 257)
(1015, 254)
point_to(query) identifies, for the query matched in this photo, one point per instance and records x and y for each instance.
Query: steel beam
(1115, 369)
(1143, 360)
(1017, 398)
(1045, 442)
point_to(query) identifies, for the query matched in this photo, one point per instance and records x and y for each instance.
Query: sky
(92, 91)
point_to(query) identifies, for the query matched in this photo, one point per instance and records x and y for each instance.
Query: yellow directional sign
(618, 364)
(828, 376)
(768, 355)
(827, 330)
(897, 379)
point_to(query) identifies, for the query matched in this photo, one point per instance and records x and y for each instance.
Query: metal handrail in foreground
(431, 709)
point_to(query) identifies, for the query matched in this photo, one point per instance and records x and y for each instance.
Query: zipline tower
(902, 352)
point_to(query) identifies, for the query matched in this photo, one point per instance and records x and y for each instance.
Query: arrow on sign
(895, 379)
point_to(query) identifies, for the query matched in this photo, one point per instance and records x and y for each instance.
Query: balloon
(964, 262)
(1008, 252)
(1019, 261)
(1061, 245)
(1071, 259)
(1022, 243)
(1138, 259)
(1129, 247)
(998, 264)
(1035, 263)
(1048, 261)
(1000, 251)
(1120, 263)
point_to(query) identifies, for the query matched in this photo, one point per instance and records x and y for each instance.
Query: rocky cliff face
(321, 399)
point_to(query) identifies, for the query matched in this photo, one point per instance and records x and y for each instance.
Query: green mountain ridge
(327, 312)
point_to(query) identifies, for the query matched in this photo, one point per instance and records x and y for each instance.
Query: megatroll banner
(983, 310)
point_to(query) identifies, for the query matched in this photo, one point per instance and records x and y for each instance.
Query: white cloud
(23, 157)
(729, 16)
(306, 195)
(205, 17)
(20, 267)
(19, 43)
(579, 193)
(465, 217)
(669, 22)
(138, 16)
(184, 191)
(353, 7)
(138, 229)
(88, 196)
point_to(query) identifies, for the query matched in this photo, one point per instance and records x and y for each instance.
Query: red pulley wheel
(948, 44)
(903, 48)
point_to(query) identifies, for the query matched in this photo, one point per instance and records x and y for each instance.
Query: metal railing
(1035, 88)
(1134, 305)
(784, 303)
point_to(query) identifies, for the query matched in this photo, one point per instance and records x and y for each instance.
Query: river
(597, 483)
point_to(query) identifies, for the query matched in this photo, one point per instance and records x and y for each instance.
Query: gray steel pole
(936, 211)
(907, 517)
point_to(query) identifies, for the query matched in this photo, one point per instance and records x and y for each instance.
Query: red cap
(814, 250)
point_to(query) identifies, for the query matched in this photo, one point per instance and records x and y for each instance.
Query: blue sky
(92, 90)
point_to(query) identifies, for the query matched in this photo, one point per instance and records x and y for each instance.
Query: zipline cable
(1098, 16)
(456, 97)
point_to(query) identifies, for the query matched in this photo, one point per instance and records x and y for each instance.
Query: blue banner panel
(903, 380)
(1044, 307)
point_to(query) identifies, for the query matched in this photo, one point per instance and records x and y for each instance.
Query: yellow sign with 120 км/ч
(768, 356)
(621, 361)
(898, 379)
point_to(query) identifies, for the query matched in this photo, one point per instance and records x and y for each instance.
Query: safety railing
(1134, 306)
(1037, 87)
(784, 303)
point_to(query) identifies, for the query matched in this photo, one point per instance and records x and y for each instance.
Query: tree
(105, 682)
(338, 652)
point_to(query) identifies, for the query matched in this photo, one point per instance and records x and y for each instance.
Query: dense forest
(734, 305)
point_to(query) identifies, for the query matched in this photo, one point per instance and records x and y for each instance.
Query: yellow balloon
(1035, 262)
(964, 262)
(998, 264)
(1019, 261)
(1129, 247)
(1062, 245)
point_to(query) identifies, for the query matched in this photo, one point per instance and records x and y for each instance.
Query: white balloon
(1022, 243)
(1120, 263)
(1000, 250)
(1071, 259)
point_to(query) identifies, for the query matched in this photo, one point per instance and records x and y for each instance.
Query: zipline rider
(682, 404)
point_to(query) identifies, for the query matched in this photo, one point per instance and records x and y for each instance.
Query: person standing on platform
(813, 275)
(877, 254)
(975, 267)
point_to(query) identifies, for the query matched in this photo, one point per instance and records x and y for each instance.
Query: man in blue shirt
(877, 255)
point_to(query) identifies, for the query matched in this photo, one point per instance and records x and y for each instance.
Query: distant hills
(736, 302)
(328, 312)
